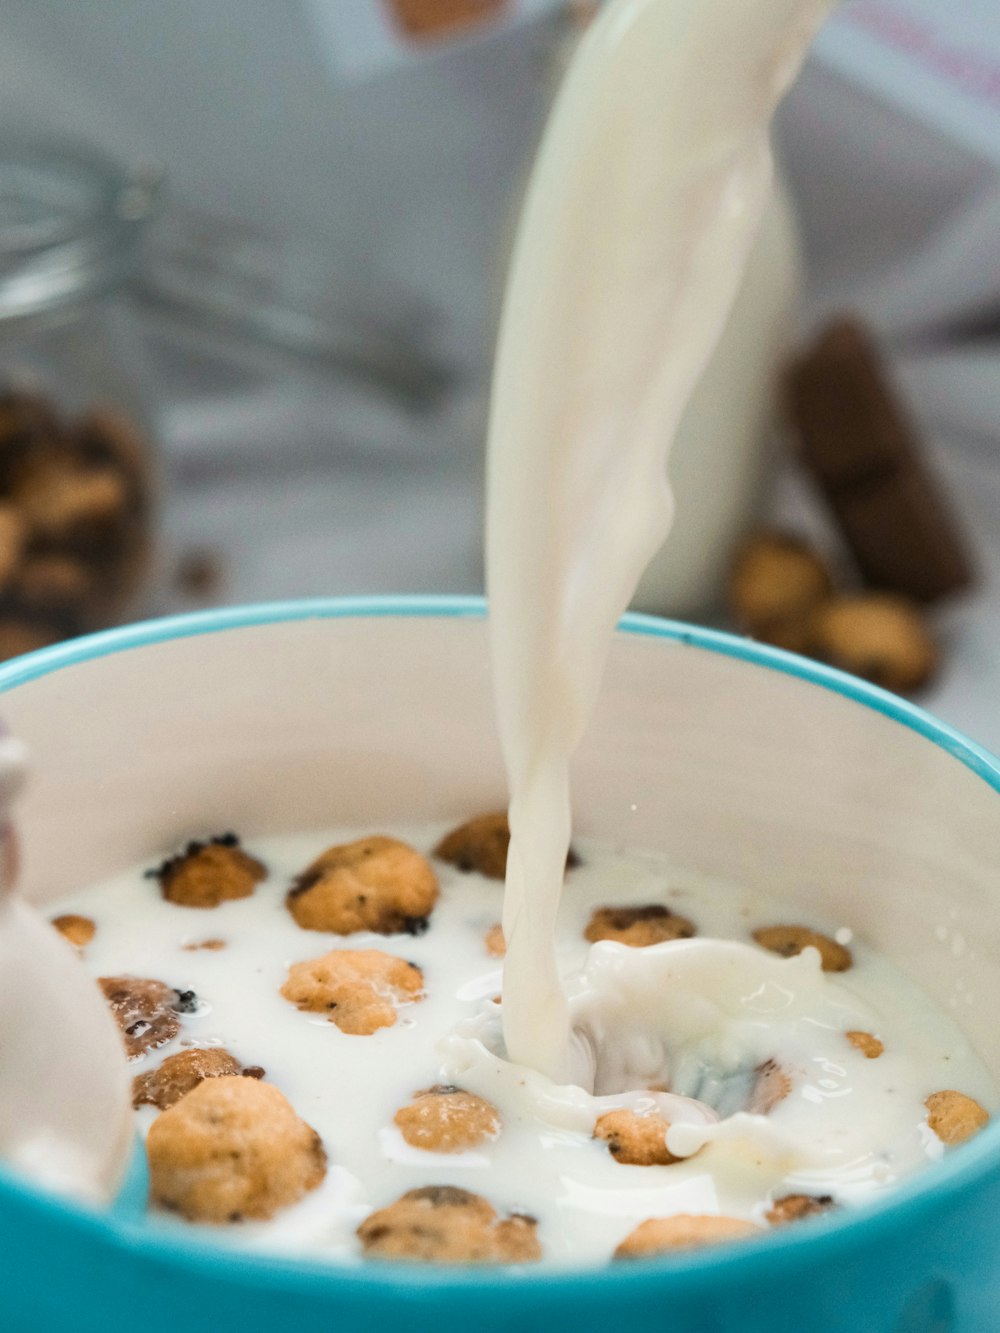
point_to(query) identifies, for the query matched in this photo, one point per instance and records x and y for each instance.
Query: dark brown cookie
(635, 1140)
(638, 927)
(208, 873)
(232, 1149)
(357, 989)
(789, 941)
(378, 884)
(147, 1011)
(869, 465)
(480, 844)
(442, 1224)
(447, 1119)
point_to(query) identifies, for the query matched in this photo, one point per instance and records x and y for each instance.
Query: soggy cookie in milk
(446, 1119)
(206, 874)
(445, 1225)
(378, 884)
(179, 1074)
(231, 1150)
(357, 989)
(147, 1011)
(638, 927)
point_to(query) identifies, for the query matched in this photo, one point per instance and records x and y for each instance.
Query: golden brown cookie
(954, 1117)
(635, 1140)
(771, 1086)
(496, 945)
(377, 884)
(882, 638)
(79, 930)
(180, 1073)
(442, 1224)
(775, 585)
(232, 1149)
(147, 1011)
(447, 1119)
(869, 1046)
(682, 1231)
(208, 873)
(358, 989)
(789, 941)
(638, 927)
(795, 1207)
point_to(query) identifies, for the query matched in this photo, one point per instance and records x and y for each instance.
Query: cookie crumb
(79, 930)
(444, 1224)
(179, 1073)
(795, 1207)
(378, 884)
(789, 941)
(638, 927)
(496, 945)
(954, 1117)
(447, 1119)
(682, 1231)
(635, 1140)
(357, 989)
(208, 873)
(212, 945)
(869, 1046)
(232, 1149)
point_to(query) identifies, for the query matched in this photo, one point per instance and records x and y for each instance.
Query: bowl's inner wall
(735, 769)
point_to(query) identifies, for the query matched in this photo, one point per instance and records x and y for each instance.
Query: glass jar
(76, 465)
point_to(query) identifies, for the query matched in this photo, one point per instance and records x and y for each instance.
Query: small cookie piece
(795, 1207)
(869, 1046)
(496, 945)
(180, 1073)
(776, 583)
(635, 1140)
(789, 941)
(378, 884)
(208, 873)
(954, 1117)
(212, 945)
(771, 1086)
(145, 1010)
(358, 989)
(232, 1149)
(447, 1119)
(638, 927)
(877, 636)
(442, 1224)
(682, 1231)
(79, 930)
(480, 844)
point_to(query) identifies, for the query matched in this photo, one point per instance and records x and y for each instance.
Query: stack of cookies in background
(76, 502)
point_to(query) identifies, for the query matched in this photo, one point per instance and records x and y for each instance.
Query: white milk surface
(698, 1015)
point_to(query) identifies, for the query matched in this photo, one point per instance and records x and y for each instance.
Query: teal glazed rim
(921, 1200)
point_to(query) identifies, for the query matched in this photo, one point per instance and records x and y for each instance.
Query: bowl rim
(919, 1199)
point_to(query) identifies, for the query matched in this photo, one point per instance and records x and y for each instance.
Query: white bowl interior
(734, 768)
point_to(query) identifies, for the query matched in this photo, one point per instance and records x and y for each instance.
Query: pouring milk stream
(640, 214)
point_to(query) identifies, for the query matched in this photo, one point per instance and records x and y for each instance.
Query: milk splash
(643, 206)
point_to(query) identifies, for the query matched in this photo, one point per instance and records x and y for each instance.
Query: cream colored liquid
(644, 203)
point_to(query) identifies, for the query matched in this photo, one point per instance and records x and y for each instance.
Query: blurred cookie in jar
(76, 500)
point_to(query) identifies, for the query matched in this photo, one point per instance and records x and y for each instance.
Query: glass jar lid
(71, 219)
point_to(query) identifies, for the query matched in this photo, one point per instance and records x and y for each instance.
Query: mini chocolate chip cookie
(208, 873)
(442, 1224)
(357, 989)
(638, 927)
(447, 1119)
(378, 884)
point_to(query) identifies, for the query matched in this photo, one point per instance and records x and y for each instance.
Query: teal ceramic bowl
(737, 759)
